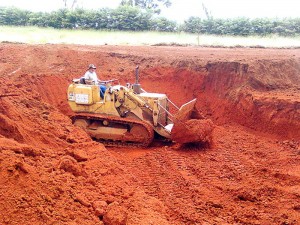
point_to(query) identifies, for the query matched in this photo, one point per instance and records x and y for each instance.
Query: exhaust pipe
(136, 86)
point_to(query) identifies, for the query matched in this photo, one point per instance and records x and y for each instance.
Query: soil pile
(52, 172)
(190, 127)
(193, 131)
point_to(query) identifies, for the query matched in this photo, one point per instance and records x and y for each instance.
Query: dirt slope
(53, 173)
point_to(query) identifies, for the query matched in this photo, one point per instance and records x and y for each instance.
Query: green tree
(163, 24)
(14, 16)
(129, 18)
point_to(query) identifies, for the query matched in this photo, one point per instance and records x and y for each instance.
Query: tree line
(243, 26)
(131, 18)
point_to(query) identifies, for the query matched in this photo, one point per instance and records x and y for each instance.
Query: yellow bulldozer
(128, 115)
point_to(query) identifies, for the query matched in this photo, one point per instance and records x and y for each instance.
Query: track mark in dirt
(189, 178)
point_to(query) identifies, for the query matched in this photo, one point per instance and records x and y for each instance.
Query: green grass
(35, 35)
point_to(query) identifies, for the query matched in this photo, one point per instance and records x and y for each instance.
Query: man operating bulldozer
(90, 77)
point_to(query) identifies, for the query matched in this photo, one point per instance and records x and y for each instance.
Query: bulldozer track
(123, 121)
(181, 178)
(171, 181)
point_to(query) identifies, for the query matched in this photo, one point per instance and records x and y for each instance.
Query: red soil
(53, 173)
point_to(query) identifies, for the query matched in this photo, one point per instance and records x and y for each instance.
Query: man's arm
(107, 81)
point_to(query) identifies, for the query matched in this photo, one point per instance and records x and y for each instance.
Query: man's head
(92, 67)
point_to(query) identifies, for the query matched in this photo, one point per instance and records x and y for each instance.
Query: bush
(243, 26)
(135, 19)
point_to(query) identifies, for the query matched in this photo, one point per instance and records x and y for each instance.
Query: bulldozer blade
(190, 126)
(185, 111)
(188, 111)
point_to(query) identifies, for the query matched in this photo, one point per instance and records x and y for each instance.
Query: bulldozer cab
(82, 93)
(86, 98)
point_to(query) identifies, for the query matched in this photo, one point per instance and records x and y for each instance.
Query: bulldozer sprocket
(143, 139)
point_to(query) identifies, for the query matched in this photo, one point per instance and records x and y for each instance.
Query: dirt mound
(191, 127)
(193, 131)
(47, 164)
(52, 172)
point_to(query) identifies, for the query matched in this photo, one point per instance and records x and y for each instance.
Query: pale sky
(183, 9)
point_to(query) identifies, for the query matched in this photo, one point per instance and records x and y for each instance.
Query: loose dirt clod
(193, 131)
(190, 126)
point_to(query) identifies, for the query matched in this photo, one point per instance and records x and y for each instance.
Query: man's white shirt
(91, 76)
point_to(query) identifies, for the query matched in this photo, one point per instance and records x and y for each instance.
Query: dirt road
(53, 173)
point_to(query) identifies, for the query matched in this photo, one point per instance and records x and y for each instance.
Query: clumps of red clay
(190, 126)
(193, 131)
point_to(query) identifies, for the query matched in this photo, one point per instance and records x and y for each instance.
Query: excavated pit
(52, 172)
